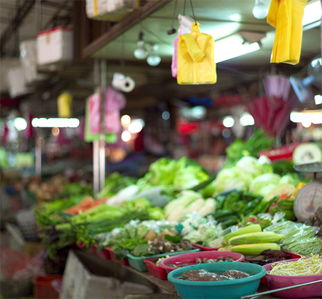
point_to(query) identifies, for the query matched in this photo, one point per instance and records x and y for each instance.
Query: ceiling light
(125, 120)
(246, 119)
(20, 123)
(318, 99)
(153, 59)
(233, 46)
(126, 136)
(312, 13)
(141, 52)
(260, 9)
(228, 121)
(55, 122)
(312, 116)
(165, 115)
(235, 17)
(136, 125)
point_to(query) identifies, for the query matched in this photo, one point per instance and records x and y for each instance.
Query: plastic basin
(137, 262)
(232, 289)
(280, 281)
(191, 258)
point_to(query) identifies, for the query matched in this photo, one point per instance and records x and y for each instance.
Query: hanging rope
(193, 12)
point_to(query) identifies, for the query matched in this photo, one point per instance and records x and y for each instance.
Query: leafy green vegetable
(258, 142)
(181, 174)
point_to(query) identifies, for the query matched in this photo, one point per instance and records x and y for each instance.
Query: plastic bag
(196, 64)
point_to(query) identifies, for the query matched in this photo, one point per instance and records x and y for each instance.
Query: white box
(17, 82)
(28, 58)
(5, 65)
(111, 10)
(79, 283)
(55, 45)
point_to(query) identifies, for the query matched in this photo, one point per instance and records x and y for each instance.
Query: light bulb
(153, 59)
(260, 9)
(140, 52)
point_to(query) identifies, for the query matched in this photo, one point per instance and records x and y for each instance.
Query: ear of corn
(254, 249)
(260, 237)
(253, 228)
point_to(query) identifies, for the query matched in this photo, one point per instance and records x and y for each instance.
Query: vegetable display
(188, 202)
(247, 208)
(303, 266)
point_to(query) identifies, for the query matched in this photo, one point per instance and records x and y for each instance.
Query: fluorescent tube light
(312, 13)
(55, 122)
(233, 46)
(312, 116)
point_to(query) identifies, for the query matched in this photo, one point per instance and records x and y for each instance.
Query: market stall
(162, 149)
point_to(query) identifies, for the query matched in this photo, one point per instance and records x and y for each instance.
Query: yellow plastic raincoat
(196, 64)
(286, 16)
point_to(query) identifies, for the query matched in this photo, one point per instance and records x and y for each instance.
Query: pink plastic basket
(191, 258)
(203, 248)
(280, 281)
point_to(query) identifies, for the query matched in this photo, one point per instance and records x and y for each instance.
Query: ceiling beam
(14, 24)
(125, 24)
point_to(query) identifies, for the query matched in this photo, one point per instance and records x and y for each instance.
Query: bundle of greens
(297, 237)
(236, 206)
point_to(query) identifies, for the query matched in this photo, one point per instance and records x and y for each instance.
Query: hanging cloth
(286, 16)
(64, 102)
(196, 64)
(114, 102)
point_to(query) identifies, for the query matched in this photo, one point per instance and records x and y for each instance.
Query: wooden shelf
(125, 24)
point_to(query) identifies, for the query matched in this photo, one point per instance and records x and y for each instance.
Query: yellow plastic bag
(64, 104)
(196, 63)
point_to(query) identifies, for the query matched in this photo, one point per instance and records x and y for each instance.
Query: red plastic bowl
(155, 270)
(115, 259)
(280, 281)
(191, 258)
(104, 253)
(203, 248)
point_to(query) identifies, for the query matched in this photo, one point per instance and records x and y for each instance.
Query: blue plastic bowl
(232, 289)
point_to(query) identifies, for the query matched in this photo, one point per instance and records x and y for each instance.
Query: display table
(162, 289)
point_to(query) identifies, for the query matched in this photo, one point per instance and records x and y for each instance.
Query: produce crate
(154, 269)
(114, 257)
(138, 262)
(46, 287)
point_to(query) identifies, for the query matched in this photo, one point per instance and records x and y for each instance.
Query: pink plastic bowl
(280, 281)
(191, 258)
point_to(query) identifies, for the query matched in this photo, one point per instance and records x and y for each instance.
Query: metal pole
(96, 180)
(38, 156)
